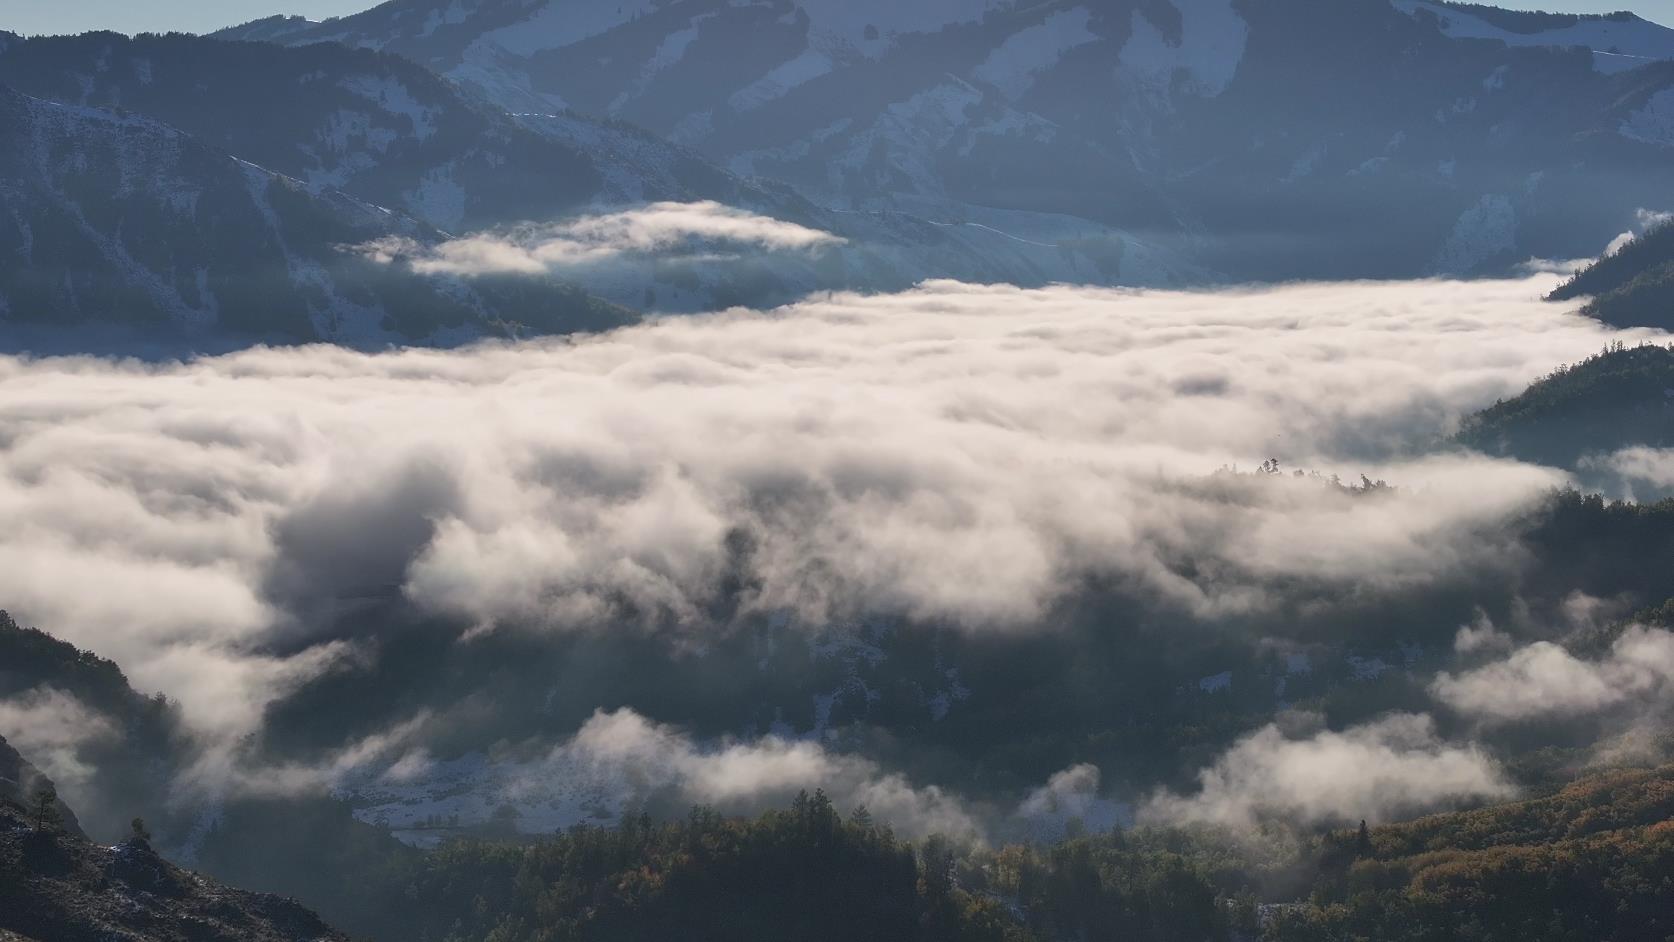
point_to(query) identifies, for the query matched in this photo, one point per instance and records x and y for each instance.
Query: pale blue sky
(128, 16)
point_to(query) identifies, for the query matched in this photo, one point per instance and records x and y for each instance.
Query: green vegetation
(1633, 287)
(1590, 861)
(805, 873)
(1616, 399)
(1594, 862)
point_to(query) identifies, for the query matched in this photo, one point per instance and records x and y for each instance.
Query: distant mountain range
(115, 220)
(1273, 139)
(1142, 142)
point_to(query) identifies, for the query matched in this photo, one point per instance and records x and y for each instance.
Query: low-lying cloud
(961, 454)
(1375, 772)
(1544, 680)
(744, 777)
(621, 763)
(664, 229)
(52, 729)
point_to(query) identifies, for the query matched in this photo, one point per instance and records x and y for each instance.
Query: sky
(74, 16)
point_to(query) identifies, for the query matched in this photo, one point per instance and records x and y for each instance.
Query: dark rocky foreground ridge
(19, 780)
(57, 886)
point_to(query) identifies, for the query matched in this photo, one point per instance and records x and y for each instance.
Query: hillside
(1633, 287)
(1618, 41)
(1595, 861)
(1435, 140)
(21, 784)
(1617, 399)
(55, 885)
(384, 130)
(372, 125)
(121, 222)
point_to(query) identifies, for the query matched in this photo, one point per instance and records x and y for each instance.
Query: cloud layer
(955, 453)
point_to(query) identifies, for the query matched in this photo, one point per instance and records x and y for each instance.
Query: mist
(961, 453)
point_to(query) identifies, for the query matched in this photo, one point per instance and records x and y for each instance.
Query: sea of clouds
(963, 454)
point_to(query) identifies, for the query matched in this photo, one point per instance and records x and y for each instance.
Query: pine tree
(47, 815)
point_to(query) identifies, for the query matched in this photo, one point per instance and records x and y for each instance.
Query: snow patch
(1213, 37)
(439, 199)
(1482, 232)
(393, 97)
(1367, 668)
(810, 65)
(556, 25)
(1654, 122)
(455, 14)
(1013, 66)
(871, 25)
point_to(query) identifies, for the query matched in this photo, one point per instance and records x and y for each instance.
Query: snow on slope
(869, 24)
(809, 65)
(1618, 44)
(394, 97)
(1653, 123)
(1012, 67)
(556, 25)
(1211, 48)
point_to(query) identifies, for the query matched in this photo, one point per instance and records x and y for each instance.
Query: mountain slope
(20, 782)
(116, 220)
(127, 740)
(1420, 148)
(1590, 861)
(389, 132)
(1620, 398)
(1632, 287)
(1618, 41)
(60, 886)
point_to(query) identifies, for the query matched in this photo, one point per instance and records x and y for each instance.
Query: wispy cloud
(667, 229)
(1377, 771)
(51, 729)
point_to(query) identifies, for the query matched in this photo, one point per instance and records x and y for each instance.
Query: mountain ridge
(1169, 119)
(124, 222)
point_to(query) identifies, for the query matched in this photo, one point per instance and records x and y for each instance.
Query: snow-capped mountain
(1618, 42)
(387, 131)
(1363, 137)
(118, 221)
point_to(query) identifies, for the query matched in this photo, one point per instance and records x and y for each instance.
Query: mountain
(1588, 861)
(371, 125)
(131, 739)
(1631, 287)
(1618, 399)
(1265, 139)
(120, 222)
(20, 782)
(388, 132)
(59, 886)
(1618, 41)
